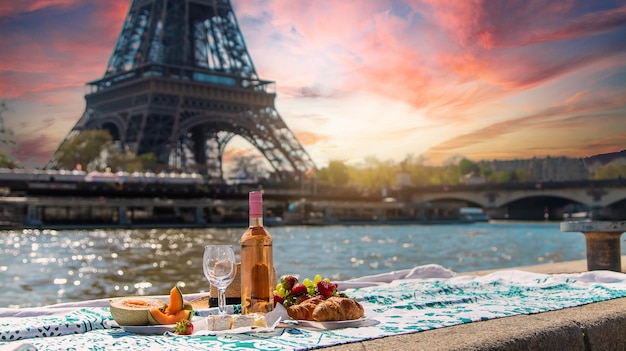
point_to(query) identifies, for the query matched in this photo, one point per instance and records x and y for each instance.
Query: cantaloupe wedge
(177, 310)
(156, 316)
(133, 310)
(176, 301)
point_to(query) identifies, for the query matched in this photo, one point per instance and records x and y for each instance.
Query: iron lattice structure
(181, 84)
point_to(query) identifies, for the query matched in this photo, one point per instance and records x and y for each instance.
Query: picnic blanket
(408, 301)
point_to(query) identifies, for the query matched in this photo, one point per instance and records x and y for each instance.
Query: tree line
(96, 150)
(377, 174)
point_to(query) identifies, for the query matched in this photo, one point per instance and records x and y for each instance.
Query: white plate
(153, 329)
(148, 329)
(361, 322)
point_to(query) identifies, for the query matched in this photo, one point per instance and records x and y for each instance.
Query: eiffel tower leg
(198, 137)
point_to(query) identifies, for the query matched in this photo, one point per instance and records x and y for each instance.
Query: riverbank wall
(599, 326)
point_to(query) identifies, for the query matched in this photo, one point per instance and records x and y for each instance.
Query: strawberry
(298, 289)
(184, 327)
(288, 281)
(277, 299)
(326, 289)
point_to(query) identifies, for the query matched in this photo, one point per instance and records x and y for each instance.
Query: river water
(46, 267)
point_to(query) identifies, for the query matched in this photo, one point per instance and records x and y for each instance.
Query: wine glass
(220, 269)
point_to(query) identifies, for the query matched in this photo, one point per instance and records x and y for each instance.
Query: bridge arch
(554, 195)
(606, 198)
(542, 206)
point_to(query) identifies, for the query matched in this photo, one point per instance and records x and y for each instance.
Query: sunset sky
(363, 78)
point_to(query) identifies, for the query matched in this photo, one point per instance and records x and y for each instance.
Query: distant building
(473, 178)
(403, 179)
(548, 169)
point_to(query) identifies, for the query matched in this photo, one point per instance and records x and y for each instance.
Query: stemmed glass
(220, 269)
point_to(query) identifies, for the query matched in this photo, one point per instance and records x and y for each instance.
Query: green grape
(307, 282)
(327, 280)
(317, 278)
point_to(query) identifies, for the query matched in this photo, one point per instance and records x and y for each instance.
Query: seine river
(47, 267)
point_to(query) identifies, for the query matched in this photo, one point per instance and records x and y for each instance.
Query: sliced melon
(133, 310)
(157, 316)
(176, 301)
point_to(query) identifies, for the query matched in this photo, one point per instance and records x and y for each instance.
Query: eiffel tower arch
(181, 84)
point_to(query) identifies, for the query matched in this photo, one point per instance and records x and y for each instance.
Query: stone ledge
(597, 326)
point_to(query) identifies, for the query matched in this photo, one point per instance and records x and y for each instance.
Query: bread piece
(337, 309)
(332, 309)
(303, 310)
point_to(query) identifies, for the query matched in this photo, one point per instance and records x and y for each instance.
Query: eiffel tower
(181, 84)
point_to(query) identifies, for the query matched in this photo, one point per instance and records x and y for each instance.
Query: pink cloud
(38, 148)
(584, 26)
(490, 24)
(57, 59)
(480, 27)
(12, 8)
(45, 124)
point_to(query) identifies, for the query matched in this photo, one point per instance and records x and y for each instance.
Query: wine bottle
(258, 277)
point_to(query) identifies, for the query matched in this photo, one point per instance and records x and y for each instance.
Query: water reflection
(70, 266)
(46, 267)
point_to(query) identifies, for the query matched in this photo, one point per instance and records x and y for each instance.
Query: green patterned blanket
(398, 307)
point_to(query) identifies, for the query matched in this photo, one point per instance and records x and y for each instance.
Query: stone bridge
(604, 198)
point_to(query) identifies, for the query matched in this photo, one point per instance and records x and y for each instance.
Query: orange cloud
(309, 138)
(231, 154)
(572, 118)
(604, 145)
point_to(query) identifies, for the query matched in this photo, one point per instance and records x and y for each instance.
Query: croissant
(337, 309)
(303, 310)
(332, 309)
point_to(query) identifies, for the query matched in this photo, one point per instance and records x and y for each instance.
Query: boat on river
(473, 214)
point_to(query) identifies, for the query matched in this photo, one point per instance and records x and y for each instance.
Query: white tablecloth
(407, 301)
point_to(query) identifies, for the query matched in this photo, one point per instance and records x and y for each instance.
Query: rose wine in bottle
(258, 277)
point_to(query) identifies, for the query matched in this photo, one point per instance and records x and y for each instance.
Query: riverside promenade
(599, 326)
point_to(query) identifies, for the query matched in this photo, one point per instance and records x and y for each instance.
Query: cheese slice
(226, 322)
(240, 321)
(259, 321)
(219, 322)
